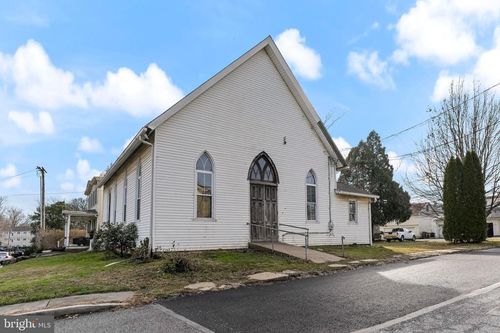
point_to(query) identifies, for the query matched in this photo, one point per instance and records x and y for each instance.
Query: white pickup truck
(399, 234)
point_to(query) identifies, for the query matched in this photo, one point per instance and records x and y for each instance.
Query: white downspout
(142, 138)
(330, 222)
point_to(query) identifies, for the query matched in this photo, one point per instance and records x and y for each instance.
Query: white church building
(242, 158)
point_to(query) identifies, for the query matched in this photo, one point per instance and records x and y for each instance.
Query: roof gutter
(340, 161)
(132, 146)
(354, 194)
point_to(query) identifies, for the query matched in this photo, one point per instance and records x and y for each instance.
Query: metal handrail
(294, 226)
(304, 234)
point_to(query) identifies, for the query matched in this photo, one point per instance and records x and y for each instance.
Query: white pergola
(89, 216)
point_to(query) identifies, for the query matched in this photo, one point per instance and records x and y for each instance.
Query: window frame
(138, 191)
(115, 202)
(109, 206)
(315, 185)
(355, 221)
(125, 197)
(212, 195)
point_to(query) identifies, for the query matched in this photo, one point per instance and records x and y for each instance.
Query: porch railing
(304, 234)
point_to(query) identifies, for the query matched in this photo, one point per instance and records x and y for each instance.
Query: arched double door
(264, 181)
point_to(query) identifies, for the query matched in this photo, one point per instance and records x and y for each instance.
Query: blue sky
(78, 79)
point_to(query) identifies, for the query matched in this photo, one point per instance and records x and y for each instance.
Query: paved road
(344, 302)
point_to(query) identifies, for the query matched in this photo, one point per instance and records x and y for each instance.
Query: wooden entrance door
(263, 199)
(263, 212)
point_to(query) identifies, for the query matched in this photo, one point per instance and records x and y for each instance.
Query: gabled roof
(346, 189)
(277, 58)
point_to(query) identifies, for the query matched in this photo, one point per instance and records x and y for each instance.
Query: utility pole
(42, 172)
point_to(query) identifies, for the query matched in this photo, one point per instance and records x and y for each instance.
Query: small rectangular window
(353, 216)
(109, 207)
(125, 199)
(115, 203)
(138, 192)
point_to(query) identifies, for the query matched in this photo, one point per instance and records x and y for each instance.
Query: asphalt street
(343, 302)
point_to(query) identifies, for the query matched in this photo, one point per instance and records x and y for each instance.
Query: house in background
(91, 217)
(425, 221)
(493, 221)
(242, 158)
(19, 236)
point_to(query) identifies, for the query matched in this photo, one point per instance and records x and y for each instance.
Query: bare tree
(464, 122)
(3, 205)
(4, 225)
(14, 217)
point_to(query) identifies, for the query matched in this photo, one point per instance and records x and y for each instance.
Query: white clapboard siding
(249, 111)
(358, 232)
(143, 156)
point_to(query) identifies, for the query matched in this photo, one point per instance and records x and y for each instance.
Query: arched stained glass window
(311, 195)
(204, 186)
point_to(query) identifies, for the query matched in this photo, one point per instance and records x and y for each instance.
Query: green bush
(119, 238)
(177, 263)
(141, 253)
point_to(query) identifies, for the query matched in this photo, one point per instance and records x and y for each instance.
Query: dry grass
(383, 250)
(83, 273)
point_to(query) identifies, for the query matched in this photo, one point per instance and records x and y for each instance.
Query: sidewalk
(70, 305)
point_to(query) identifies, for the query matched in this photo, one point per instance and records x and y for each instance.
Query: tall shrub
(117, 237)
(473, 198)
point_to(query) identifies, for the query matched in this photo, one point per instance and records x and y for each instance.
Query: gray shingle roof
(343, 187)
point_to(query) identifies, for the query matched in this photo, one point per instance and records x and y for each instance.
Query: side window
(125, 198)
(138, 192)
(353, 214)
(115, 201)
(204, 187)
(311, 196)
(109, 207)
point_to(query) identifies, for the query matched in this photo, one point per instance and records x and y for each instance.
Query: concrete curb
(72, 309)
(69, 305)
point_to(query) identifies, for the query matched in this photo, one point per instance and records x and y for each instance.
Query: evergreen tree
(369, 169)
(473, 199)
(452, 206)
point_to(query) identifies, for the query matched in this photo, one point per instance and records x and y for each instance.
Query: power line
(19, 174)
(37, 194)
(439, 114)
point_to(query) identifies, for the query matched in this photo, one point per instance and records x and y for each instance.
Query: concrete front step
(314, 256)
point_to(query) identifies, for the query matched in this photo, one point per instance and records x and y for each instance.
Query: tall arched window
(311, 196)
(204, 186)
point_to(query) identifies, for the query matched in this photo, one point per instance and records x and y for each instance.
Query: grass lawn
(83, 273)
(383, 250)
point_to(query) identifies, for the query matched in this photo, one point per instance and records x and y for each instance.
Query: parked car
(6, 258)
(400, 234)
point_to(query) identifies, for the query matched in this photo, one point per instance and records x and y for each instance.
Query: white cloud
(342, 145)
(486, 71)
(84, 171)
(27, 121)
(7, 174)
(90, 145)
(303, 60)
(73, 180)
(38, 81)
(148, 93)
(34, 79)
(443, 30)
(370, 69)
(401, 166)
